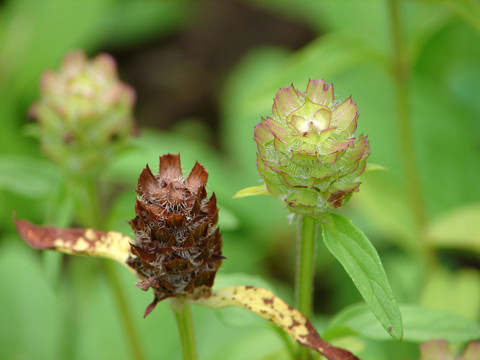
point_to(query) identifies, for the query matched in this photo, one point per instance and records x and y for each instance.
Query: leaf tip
(375, 167)
(252, 191)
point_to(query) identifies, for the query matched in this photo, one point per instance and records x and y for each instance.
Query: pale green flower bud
(84, 113)
(307, 153)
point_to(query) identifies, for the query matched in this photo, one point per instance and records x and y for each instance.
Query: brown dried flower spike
(177, 240)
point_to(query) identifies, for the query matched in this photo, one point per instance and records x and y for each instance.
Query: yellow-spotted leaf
(265, 304)
(112, 245)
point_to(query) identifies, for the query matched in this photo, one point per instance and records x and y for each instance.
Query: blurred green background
(205, 72)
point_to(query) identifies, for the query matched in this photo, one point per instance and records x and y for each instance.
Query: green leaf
(420, 324)
(460, 228)
(28, 321)
(252, 191)
(375, 167)
(28, 176)
(361, 262)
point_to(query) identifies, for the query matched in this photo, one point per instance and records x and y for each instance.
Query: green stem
(305, 274)
(183, 316)
(124, 309)
(401, 76)
(90, 203)
(91, 215)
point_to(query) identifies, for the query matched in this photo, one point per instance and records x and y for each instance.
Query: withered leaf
(270, 307)
(112, 245)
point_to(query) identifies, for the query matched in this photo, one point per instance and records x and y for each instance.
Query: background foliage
(205, 72)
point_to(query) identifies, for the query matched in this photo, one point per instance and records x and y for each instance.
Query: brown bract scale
(177, 247)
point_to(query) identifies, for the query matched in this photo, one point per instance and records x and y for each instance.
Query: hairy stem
(183, 316)
(305, 273)
(401, 77)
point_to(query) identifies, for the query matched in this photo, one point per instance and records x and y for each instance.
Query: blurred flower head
(307, 153)
(442, 350)
(84, 112)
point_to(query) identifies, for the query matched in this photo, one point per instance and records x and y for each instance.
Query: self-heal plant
(310, 159)
(307, 153)
(177, 252)
(85, 116)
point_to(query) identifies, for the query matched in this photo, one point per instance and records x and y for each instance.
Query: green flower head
(307, 153)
